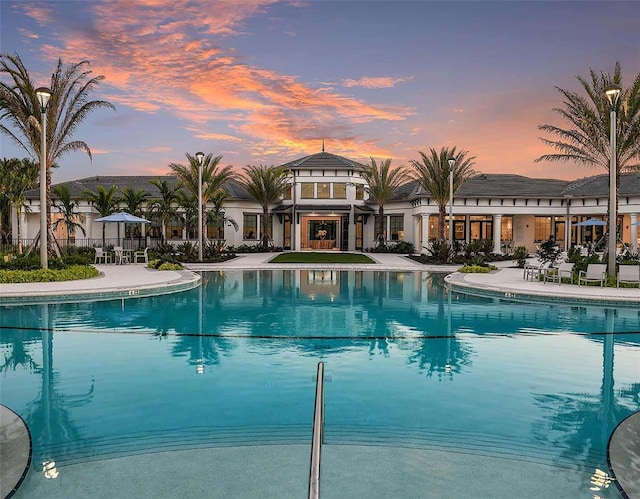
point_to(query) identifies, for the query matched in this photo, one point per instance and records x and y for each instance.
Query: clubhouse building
(327, 208)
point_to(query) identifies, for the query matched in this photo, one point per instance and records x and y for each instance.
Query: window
(359, 191)
(506, 229)
(287, 192)
(216, 231)
(541, 228)
(307, 190)
(250, 227)
(396, 225)
(339, 191)
(324, 190)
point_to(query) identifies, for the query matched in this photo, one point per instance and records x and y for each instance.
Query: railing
(317, 438)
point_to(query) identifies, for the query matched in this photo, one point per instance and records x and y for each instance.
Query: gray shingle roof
(136, 182)
(322, 161)
(598, 185)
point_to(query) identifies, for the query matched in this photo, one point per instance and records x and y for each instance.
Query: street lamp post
(200, 158)
(44, 94)
(452, 164)
(613, 93)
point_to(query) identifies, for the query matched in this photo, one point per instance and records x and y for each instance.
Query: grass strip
(311, 257)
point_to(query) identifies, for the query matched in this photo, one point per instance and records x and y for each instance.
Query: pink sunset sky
(264, 82)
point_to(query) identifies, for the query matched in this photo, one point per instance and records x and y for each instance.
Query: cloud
(375, 82)
(28, 34)
(168, 56)
(159, 149)
(457, 110)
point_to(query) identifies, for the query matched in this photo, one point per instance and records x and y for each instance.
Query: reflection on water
(411, 364)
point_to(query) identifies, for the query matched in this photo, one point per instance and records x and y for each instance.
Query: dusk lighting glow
(264, 81)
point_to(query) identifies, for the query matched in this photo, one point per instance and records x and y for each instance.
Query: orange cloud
(166, 55)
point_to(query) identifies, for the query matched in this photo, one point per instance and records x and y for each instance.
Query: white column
(425, 231)
(634, 230)
(497, 232)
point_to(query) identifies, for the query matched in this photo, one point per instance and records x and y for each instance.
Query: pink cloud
(159, 55)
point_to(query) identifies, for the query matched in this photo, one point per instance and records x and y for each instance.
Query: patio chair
(596, 272)
(121, 256)
(101, 255)
(143, 255)
(628, 274)
(565, 269)
(536, 271)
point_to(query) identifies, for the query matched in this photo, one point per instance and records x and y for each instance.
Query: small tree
(549, 251)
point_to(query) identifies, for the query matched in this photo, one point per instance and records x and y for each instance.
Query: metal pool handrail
(317, 438)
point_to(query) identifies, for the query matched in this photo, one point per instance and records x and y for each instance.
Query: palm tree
(19, 176)
(67, 208)
(103, 200)
(164, 207)
(69, 106)
(432, 173)
(213, 178)
(586, 141)
(189, 205)
(266, 185)
(216, 215)
(381, 182)
(134, 200)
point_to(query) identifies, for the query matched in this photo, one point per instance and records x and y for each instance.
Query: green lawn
(311, 257)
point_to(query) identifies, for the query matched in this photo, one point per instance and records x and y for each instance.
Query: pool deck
(119, 281)
(137, 280)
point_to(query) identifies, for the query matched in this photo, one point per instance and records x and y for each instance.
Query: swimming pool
(209, 392)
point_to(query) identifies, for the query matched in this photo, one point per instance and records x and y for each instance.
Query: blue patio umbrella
(591, 222)
(123, 216)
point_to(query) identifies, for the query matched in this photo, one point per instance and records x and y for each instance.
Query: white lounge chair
(101, 255)
(565, 269)
(628, 274)
(143, 255)
(596, 272)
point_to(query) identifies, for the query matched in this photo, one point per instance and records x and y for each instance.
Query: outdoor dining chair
(596, 272)
(141, 255)
(628, 274)
(535, 271)
(101, 255)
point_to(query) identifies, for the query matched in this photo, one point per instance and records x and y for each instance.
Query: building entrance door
(323, 233)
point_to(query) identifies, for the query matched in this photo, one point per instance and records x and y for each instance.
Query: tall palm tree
(19, 176)
(213, 178)
(134, 200)
(69, 106)
(432, 172)
(586, 140)
(67, 208)
(103, 200)
(382, 182)
(164, 207)
(266, 185)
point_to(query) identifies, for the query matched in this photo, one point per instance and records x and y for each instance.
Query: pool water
(429, 393)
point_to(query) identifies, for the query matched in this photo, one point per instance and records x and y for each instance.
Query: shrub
(70, 273)
(477, 269)
(170, 266)
(520, 255)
